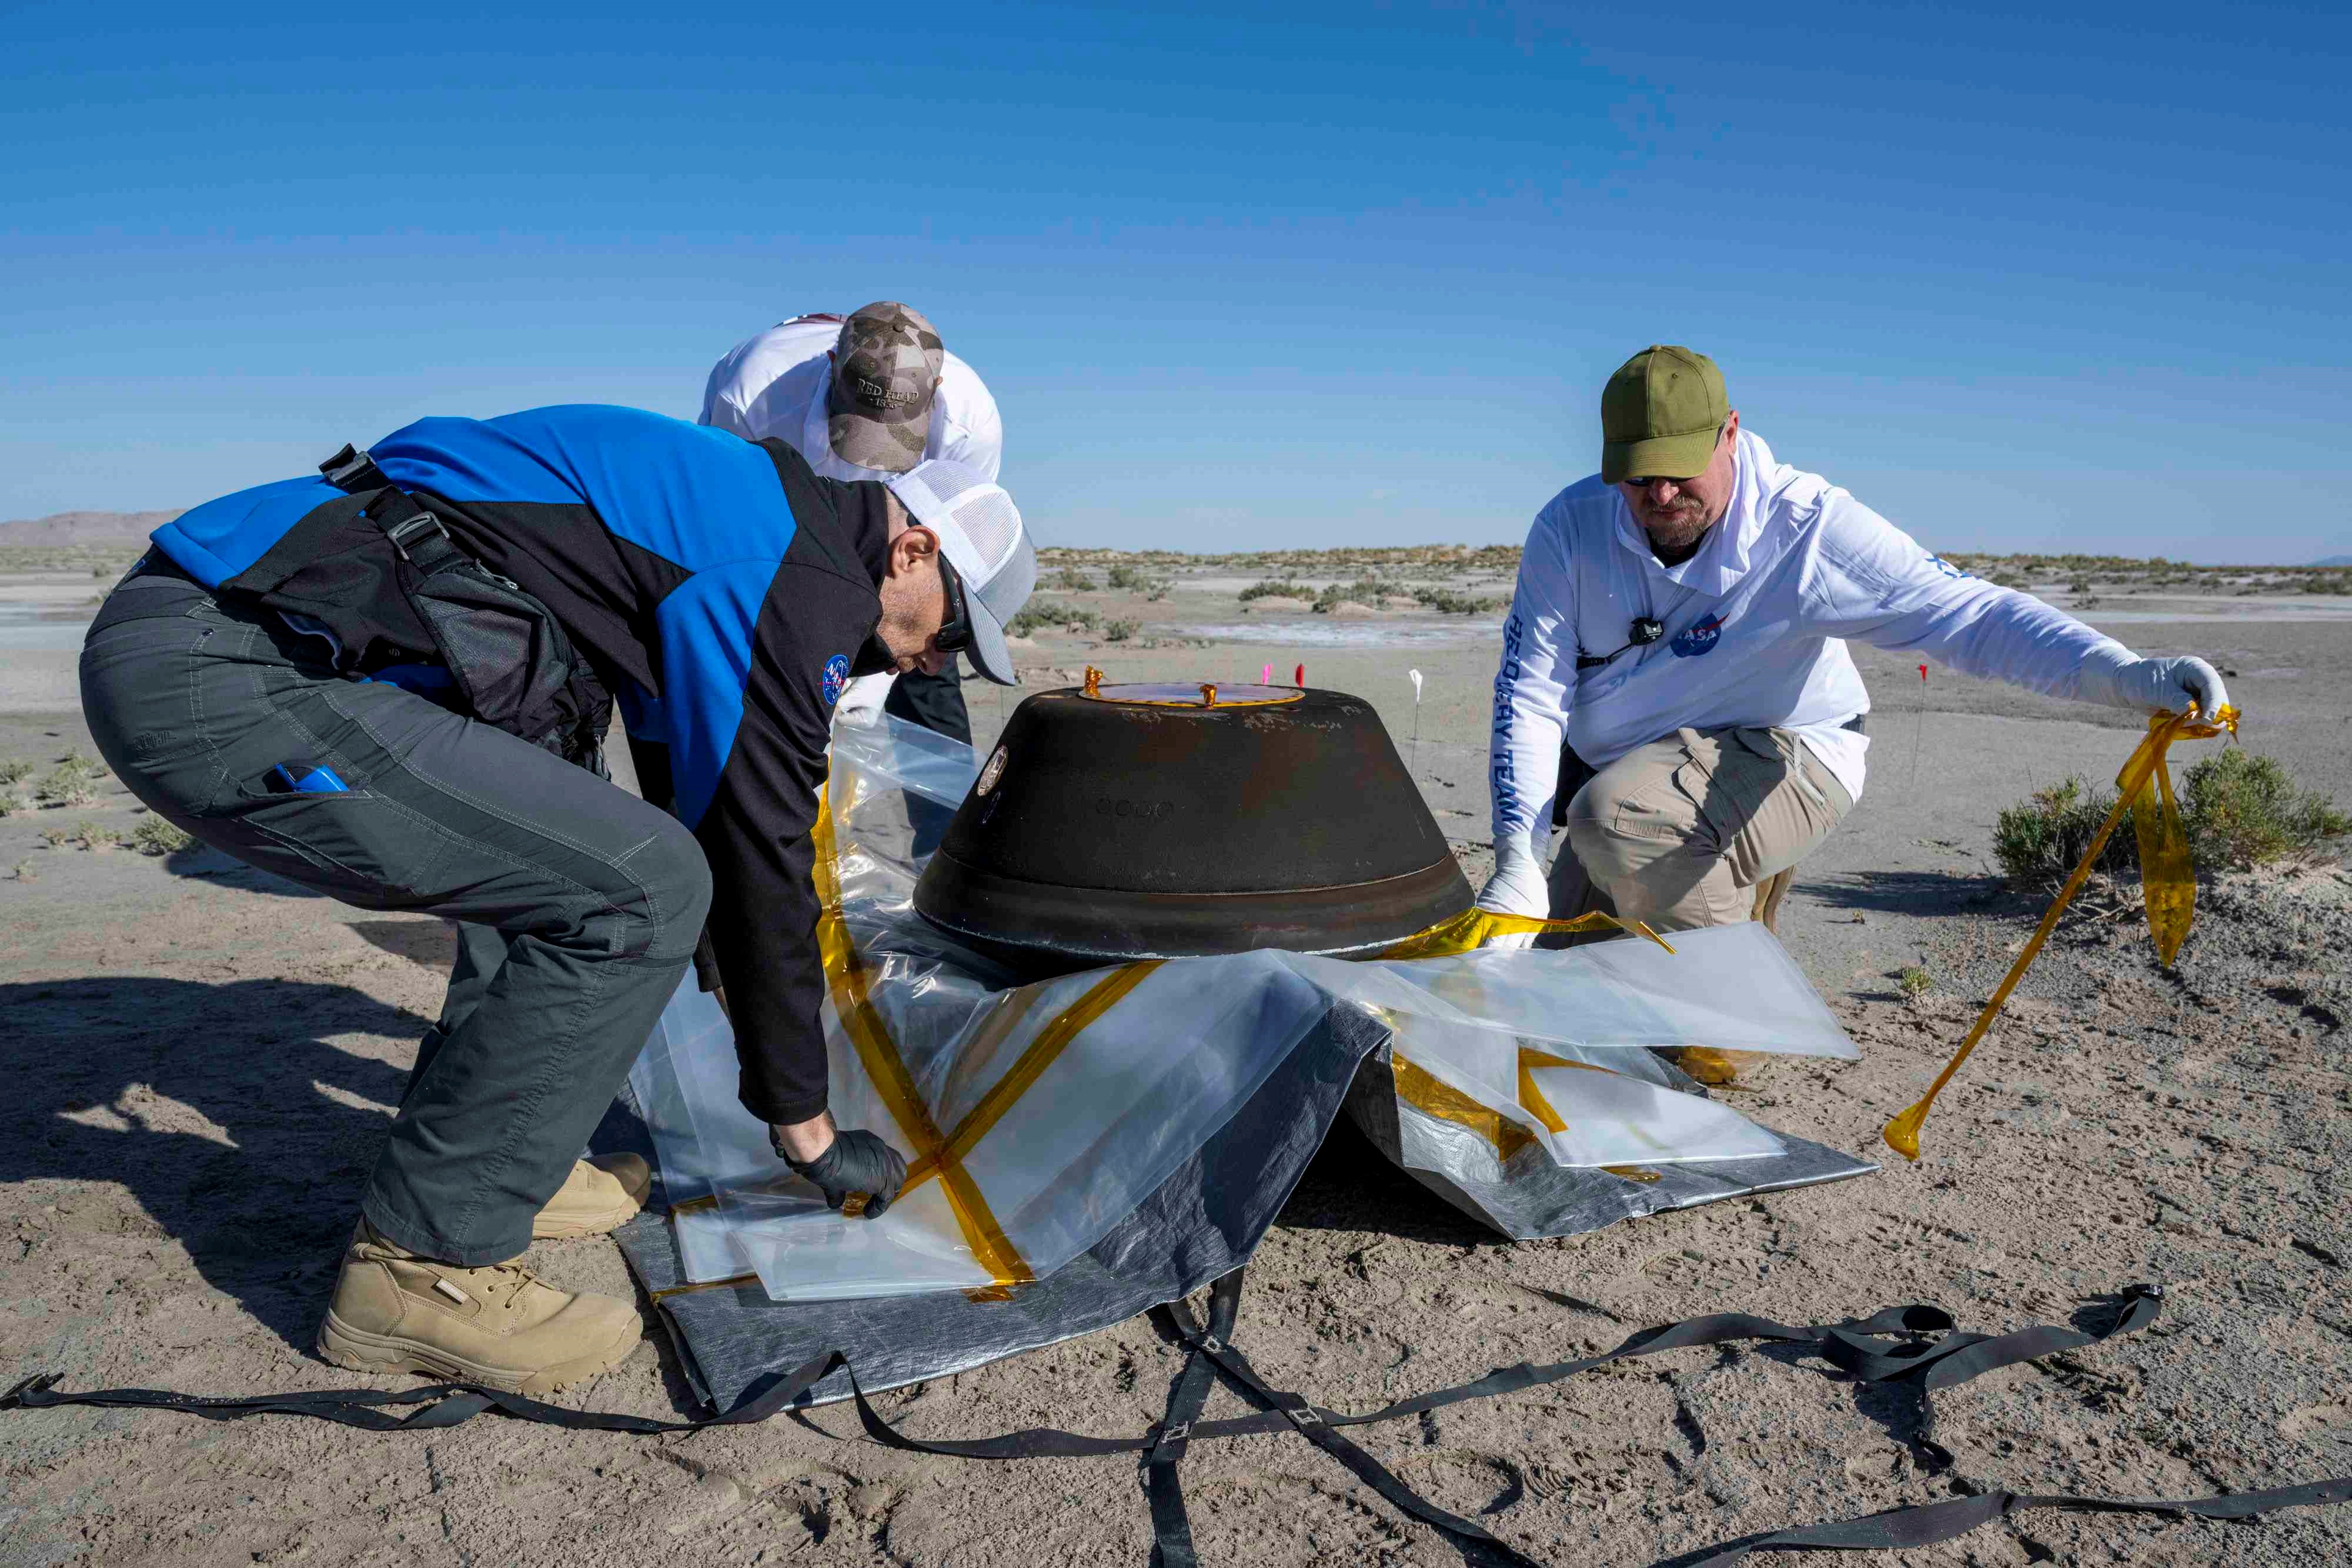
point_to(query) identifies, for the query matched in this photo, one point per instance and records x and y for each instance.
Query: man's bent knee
(672, 895)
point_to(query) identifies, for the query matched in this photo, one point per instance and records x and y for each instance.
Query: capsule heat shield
(1148, 822)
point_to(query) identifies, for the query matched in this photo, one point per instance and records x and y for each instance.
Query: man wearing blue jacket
(388, 684)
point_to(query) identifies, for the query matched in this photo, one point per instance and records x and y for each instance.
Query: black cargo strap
(1887, 1347)
(414, 532)
(1925, 1524)
(1172, 1526)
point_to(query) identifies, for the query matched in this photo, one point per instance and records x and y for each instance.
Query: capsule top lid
(1200, 694)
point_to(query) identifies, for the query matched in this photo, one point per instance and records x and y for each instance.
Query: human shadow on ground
(202, 862)
(1922, 892)
(431, 944)
(264, 1204)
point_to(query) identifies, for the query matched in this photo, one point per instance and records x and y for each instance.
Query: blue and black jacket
(719, 589)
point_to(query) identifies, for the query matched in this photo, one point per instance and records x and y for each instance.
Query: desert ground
(200, 1059)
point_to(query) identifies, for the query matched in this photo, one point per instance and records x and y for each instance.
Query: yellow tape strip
(706, 1285)
(1532, 1097)
(1902, 1135)
(1064, 1027)
(846, 973)
(1434, 1097)
(1471, 928)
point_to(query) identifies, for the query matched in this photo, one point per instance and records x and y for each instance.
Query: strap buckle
(353, 471)
(1212, 1343)
(400, 533)
(1171, 1436)
(1303, 1416)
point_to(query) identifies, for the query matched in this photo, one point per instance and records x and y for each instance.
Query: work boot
(1714, 1068)
(601, 1195)
(496, 1325)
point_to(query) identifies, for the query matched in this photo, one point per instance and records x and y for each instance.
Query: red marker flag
(1299, 680)
(1922, 674)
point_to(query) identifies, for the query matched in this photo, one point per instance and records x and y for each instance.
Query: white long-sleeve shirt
(1755, 624)
(775, 385)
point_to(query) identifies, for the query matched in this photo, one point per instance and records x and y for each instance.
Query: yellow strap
(847, 977)
(1065, 1027)
(1471, 929)
(1433, 1096)
(2167, 879)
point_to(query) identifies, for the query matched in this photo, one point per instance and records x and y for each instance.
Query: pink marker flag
(1266, 676)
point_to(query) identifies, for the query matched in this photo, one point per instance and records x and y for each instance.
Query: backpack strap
(415, 533)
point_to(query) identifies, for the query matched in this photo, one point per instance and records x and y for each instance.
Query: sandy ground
(200, 1059)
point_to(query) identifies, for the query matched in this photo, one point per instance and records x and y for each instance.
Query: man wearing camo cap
(865, 397)
(1675, 687)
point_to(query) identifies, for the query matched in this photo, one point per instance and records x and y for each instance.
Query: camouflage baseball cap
(886, 369)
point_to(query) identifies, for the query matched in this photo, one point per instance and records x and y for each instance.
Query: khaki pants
(1693, 830)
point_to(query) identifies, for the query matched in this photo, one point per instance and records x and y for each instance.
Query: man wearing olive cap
(1675, 684)
(865, 397)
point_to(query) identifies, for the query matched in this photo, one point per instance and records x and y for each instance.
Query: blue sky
(1240, 277)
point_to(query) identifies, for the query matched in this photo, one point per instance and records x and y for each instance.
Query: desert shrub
(1273, 588)
(1363, 591)
(1445, 602)
(2243, 810)
(87, 833)
(1915, 982)
(14, 799)
(154, 836)
(1050, 616)
(2238, 810)
(1136, 580)
(2039, 840)
(1070, 579)
(15, 770)
(1119, 631)
(73, 781)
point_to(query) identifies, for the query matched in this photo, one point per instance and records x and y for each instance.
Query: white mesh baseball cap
(981, 534)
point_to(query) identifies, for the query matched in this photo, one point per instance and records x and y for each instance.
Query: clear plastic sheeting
(1037, 1117)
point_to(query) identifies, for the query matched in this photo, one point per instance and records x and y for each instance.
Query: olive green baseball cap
(1660, 415)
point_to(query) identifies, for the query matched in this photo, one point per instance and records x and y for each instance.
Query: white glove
(861, 701)
(1518, 888)
(2159, 686)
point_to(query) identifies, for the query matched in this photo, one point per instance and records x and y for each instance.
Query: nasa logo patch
(837, 676)
(1700, 639)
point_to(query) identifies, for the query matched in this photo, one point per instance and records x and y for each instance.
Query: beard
(1674, 528)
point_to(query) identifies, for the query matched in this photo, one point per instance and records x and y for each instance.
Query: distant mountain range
(2334, 561)
(84, 528)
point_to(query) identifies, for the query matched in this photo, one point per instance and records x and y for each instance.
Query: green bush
(73, 781)
(15, 770)
(1363, 591)
(1050, 616)
(1119, 631)
(154, 836)
(1137, 581)
(1070, 579)
(1273, 588)
(1445, 602)
(2238, 810)
(2243, 810)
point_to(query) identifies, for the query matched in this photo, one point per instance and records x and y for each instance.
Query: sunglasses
(955, 631)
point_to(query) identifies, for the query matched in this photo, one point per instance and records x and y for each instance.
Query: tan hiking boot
(1711, 1066)
(599, 1196)
(394, 1311)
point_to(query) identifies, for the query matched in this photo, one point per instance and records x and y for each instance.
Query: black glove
(856, 1161)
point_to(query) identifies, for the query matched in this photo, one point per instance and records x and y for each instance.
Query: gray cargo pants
(582, 903)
